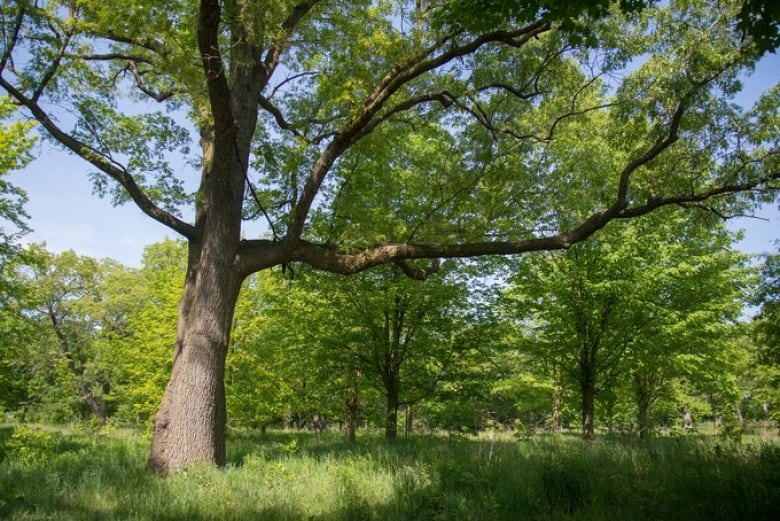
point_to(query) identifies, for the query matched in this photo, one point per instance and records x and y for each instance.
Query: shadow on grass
(297, 476)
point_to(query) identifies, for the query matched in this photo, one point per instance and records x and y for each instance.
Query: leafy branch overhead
(331, 105)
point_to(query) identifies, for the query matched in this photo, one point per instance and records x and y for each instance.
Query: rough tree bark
(190, 424)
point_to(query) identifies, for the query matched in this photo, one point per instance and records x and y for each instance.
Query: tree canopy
(368, 133)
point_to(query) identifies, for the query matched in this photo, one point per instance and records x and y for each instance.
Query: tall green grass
(86, 475)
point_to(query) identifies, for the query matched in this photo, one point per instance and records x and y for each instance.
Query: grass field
(57, 474)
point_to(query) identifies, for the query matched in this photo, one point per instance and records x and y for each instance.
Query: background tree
(309, 94)
(271, 354)
(150, 298)
(765, 356)
(400, 334)
(630, 304)
(67, 357)
(378, 329)
(15, 144)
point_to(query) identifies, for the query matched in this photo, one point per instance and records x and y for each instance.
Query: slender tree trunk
(97, 406)
(409, 423)
(391, 418)
(190, 424)
(610, 413)
(353, 411)
(557, 400)
(588, 400)
(643, 399)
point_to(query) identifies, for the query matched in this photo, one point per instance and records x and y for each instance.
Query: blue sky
(65, 215)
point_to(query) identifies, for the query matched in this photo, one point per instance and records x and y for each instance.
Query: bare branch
(290, 79)
(52, 69)
(720, 191)
(518, 93)
(661, 144)
(147, 43)
(261, 208)
(418, 273)
(444, 97)
(114, 56)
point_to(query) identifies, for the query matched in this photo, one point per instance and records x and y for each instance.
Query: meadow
(77, 473)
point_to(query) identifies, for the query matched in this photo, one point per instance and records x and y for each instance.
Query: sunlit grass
(81, 474)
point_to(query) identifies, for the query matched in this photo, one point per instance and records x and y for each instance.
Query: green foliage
(90, 338)
(571, 16)
(28, 446)
(61, 353)
(380, 132)
(768, 319)
(760, 19)
(144, 355)
(15, 145)
(305, 346)
(630, 306)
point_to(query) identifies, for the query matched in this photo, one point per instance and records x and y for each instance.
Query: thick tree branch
(11, 44)
(398, 76)
(272, 57)
(103, 164)
(216, 78)
(328, 258)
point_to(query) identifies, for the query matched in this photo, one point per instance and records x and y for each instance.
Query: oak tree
(644, 302)
(366, 133)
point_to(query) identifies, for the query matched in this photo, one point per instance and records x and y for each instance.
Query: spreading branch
(99, 161)
(394, 80)
(272, 57)
(150, 44)
(159, 97)
(11, 43)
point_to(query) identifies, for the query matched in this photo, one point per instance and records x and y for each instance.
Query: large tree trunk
(588, 400)
(190, 424)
